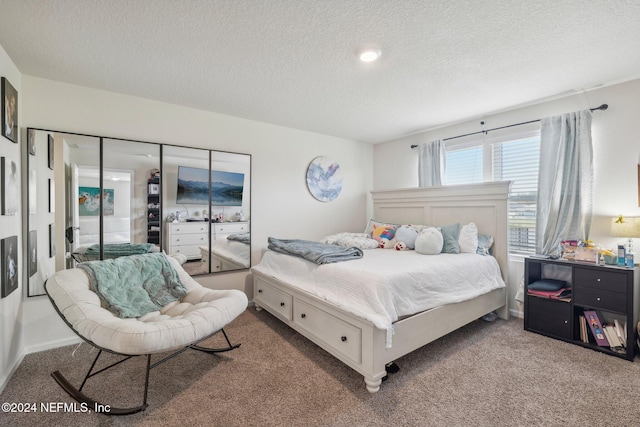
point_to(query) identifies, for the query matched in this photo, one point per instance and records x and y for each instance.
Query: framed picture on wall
(9, 186)
(9, 111)
(33, 252)
(50, 151)
(9, 264)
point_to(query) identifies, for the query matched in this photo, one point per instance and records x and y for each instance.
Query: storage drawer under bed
(341, 336)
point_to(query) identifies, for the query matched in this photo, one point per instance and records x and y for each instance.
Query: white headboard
(483, 204)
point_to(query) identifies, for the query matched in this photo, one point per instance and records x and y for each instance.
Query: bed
(360, 340)
(228, 254)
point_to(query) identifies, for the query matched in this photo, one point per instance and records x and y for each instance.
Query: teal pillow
(485, 242)
(450, 235)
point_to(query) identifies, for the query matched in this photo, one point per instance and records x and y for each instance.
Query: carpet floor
(484, 374)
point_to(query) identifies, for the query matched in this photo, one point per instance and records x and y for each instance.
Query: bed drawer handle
(343, 338)
(281, 304)
(303, 315)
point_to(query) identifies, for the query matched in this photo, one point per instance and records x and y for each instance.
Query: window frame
(487, 142)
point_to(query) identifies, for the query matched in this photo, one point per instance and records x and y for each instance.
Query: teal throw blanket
(135, 285)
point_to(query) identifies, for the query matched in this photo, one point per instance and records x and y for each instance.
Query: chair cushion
(201, 312)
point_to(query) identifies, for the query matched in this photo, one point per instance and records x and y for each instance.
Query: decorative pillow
(369, 229)
(547, 285)
(429, 241)
(485, 242)
(450, 237)
(468, 239)
(407, 235)
(383, 232)
(347, 240)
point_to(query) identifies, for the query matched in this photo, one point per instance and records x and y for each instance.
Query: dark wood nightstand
(612, 292)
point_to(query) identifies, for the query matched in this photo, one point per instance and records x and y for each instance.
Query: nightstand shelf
(613, 292)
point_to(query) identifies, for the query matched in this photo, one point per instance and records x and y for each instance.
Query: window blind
(463, 165)
(518, 161)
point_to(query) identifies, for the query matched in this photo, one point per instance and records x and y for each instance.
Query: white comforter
(387, 284)
(230, 250)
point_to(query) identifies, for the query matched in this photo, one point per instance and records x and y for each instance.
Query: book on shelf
(583, 329)
(621, 331)
(614, 342)
(596, 328)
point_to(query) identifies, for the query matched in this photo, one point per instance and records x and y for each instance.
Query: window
(518, 161)
(463, 165)
(515, 160)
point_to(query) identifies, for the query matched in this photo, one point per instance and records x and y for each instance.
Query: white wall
(11, 328)
(616, 154)
(281, 204)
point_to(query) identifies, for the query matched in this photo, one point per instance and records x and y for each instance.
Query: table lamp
(628, 227)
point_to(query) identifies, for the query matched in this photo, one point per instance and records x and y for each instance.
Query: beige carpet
(485, 374)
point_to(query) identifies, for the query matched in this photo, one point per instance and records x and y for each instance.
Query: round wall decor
(324, 179)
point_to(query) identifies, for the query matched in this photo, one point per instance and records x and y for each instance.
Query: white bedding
(387, 284)
(232, 250)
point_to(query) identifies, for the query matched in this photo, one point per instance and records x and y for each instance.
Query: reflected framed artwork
(9, 184)
(89, 201)
(33, 252)
(52, 240)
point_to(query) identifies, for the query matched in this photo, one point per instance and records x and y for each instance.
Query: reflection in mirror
(207, 208)
(139, 209)
(53, 161)
(131, 222)
(185, 205)
(230, 186)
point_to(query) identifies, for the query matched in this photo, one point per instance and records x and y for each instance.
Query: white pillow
(429, 241)
(468, 238)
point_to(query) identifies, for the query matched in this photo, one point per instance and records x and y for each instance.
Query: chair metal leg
(93, 405)
(217, 350)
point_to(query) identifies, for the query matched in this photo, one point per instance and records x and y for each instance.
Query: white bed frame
(355, 341)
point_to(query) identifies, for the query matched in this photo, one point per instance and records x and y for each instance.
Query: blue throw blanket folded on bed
(240, 237)
(320, 253)
(135, 285)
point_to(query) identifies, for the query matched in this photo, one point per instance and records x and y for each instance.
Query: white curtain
(565, 180)
(431, 163)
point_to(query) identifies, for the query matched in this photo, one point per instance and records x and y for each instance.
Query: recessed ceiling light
(369, 54)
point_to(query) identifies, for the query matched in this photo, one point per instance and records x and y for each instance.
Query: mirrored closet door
(91, 197)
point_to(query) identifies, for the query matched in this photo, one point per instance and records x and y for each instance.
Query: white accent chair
(178, 326)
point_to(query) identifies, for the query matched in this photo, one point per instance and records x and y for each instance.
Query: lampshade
(625, 226)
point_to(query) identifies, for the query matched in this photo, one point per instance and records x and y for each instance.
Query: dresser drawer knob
(281, 304)
(598, 280)
(343, 338)
(303, 315)
(259, 291)
(598, 299)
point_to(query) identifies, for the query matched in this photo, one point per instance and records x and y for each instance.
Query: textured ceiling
(293, 63)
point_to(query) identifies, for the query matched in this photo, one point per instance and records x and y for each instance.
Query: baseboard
(52, 344)
(516, 313)
(5, 380)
